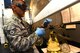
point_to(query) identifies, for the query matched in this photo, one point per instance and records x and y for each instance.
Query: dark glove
(47, 21)
(40, 32)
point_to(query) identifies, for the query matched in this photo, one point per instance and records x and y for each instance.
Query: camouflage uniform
(19, 36)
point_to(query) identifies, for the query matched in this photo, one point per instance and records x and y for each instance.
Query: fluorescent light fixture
(71, 26)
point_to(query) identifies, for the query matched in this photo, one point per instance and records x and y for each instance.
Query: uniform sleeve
(24, 43)
(19, 40)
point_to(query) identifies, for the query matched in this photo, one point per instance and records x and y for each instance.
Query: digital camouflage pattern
(19, 35)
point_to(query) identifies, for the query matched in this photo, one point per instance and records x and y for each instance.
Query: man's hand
(40, 32)
(47, 21)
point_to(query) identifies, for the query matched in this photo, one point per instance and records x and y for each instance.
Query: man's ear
(13, 6)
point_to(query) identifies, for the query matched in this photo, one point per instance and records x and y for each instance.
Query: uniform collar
(15, 17)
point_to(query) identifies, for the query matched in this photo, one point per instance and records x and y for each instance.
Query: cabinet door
(75, 12)
(65, 16)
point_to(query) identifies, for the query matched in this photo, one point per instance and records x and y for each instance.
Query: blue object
(7, 3)
(47, 21)
(40, 32)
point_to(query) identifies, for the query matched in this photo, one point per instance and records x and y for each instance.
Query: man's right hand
(40, 32)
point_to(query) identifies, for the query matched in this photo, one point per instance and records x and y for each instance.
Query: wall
(74, 34)
(73, 17)
(38, 5)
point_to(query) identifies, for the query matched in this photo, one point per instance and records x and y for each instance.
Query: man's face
(19, 9)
